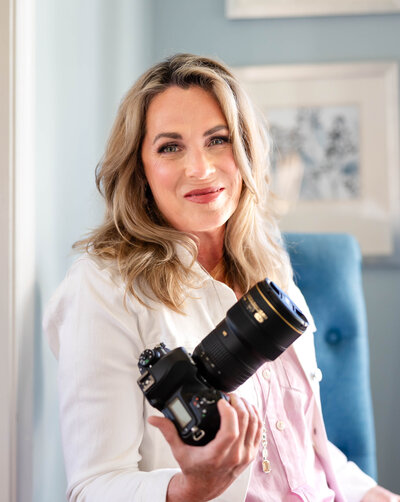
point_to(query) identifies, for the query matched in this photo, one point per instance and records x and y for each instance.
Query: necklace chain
(266, 464)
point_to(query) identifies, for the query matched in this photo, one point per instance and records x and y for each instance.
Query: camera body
(171, 383)
(258, 328)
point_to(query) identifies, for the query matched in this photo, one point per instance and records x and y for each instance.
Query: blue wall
(87, 55)
(201, 27)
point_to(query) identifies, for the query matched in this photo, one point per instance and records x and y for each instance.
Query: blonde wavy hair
(134, 232)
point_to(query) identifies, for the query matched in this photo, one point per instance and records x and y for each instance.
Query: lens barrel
(258, 328)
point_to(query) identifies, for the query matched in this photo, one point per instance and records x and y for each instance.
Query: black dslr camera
(258, 328)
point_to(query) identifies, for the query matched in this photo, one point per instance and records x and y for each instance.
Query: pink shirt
(296, 473)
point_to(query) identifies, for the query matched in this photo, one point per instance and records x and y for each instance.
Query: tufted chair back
(327, 269)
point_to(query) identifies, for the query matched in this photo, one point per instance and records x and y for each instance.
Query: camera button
(266, 373)
(280, 425)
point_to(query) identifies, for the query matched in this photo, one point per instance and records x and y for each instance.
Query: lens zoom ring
(218, 363)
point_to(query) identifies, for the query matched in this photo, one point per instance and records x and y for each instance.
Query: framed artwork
(239, 9)
(335, 155)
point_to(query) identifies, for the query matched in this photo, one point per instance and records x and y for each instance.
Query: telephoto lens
(186, 389)
(258, 328)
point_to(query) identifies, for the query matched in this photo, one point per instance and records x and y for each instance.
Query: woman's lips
(204, 195)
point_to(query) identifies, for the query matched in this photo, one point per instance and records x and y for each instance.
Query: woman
(189, 228)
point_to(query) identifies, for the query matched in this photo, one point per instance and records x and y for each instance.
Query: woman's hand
(379, 494)
(208, 470)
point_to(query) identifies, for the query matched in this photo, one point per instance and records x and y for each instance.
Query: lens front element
(258, 328)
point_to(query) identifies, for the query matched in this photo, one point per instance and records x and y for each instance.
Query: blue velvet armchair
(327, 269)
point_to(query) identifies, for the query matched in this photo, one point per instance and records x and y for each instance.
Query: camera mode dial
(150, 356)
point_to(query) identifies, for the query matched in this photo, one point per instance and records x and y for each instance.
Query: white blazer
(111, 453)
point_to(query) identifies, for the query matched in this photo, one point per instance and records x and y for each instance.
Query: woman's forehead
(176, 108)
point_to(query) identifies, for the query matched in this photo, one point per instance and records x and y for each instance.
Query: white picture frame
(247, 9)
(373, 215)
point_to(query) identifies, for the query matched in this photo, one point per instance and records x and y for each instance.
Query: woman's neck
(210, 256)
(211, 249)
(210, 259)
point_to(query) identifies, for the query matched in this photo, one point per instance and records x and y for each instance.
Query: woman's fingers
(236, 441)
(258, 435)
(229, 428)
(243, 450)
(254, 428)
(213, 467)
(242, 414)
(241, 426)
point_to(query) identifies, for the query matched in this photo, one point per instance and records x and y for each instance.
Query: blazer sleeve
(353, 481)
(97, 343)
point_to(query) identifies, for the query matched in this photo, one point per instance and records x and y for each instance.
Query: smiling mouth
(204, 195)
(203, 191)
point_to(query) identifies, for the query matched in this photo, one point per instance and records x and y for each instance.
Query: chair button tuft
(333, 337)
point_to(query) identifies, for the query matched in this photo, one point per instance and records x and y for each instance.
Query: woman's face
(188, 160)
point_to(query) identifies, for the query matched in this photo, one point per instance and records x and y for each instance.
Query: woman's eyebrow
(170, 135)
(175, 135)
(215, 129)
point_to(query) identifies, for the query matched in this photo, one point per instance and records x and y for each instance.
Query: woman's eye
(168, 149)
(220, 140)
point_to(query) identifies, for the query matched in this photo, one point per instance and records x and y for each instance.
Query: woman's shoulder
(92, 269)
(92, 288)
(92, 278)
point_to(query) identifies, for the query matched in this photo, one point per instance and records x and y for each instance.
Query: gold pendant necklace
(266, 464)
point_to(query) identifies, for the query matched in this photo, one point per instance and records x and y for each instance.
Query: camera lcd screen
(179, 412)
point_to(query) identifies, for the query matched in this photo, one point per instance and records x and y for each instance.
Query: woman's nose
(199, 165)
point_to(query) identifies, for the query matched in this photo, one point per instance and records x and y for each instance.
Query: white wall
(7, 421)
(88, 53)
(16, 250)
